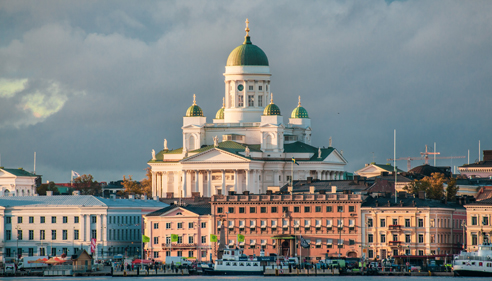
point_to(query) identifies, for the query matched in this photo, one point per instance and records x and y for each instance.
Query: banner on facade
(213, 238)
(174, 237)
(304, 243)
(93, 245)
(240, 238)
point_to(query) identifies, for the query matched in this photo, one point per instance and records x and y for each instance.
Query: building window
(76, 219)
(383, 223)
(31, 219)
(395, 237)
(285, 209)
(474, 221)
(421, 238)
(351, 242)
(351, 209)
(204, 239)
(251, 88)
(190, 239)
(76, 234)
(156, 240)
(65, 234)
(190, 225)
(240, 100)
(263, 210)
(168, 253)
(19, 234)
(65, 219)
(370, 253)
(180, 239)
(395, 221)
(180, 225)
(407, 222)
(307, 209)
(251, 100)
(53, 251)
(252, 210)
(53, 235)
(485, 221)
(19, 219)
(53, 219)
(370, 238)
(204, 225)
(156, 255)
(42, 235)
(168, 225)
(383, 238)
(260, 101)
(474, 239)
(231, 210)
(274, 209)
(8, 234)
(260, 88)
(340, 209)
(407, 238)
(180, 253)
(42, 220)
(421, 222)
(31, 252)
(220, 210)
(369, 222)
(94, 219)
(190, 253)
(317, 209)
(241, 210)
(296, 209)
(94, 234)
(156, 225)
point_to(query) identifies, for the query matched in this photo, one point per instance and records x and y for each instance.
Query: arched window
(191, 142)
(269, 141)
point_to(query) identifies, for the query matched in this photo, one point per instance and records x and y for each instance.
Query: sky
(94, 86)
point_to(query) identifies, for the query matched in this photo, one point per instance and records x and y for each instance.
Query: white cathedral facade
(247, 147)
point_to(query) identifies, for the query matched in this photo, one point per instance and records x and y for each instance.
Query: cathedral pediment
(191, 126)
(215, 155)
(335, 157)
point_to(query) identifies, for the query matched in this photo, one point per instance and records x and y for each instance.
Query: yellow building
(478, 228)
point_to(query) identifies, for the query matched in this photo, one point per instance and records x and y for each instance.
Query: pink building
(191, 224)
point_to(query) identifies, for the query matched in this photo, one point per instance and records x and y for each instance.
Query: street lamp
(18, 252)
(227, 231)
(463, 225)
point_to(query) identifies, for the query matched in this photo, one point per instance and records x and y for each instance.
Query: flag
(294, 160)
(75, 174)
(93, 245)
(145, 239)
(174, 237)
(304, 243)
(213, 238)
(240, 238)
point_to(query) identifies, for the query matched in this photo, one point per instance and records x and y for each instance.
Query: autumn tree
(131, 186)
(147, 182)
(86, 185)
(41, 189)
(433, 187)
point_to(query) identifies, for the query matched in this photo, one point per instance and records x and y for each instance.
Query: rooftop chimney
(333, 189)
(131, 196)
(144, 197)
(49, 193)
(289, 189)
(311, 189)
(309, 179)
(76, 192)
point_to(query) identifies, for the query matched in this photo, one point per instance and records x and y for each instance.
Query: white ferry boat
(474, 263)
(234, 262)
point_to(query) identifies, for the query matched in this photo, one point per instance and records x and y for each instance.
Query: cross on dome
(299, 100)
(247, 27)
(223, 102)
(194, 99)
(271, 98)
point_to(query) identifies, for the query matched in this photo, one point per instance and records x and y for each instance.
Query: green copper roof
(271, 109)
(19, 172)
(220, 114)
(247, 54)
(194, 111)
(299, 112)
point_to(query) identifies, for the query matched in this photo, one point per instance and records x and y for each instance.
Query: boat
(474, 263)
(234, 262)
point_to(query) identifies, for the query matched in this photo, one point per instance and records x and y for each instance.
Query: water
(255, 278)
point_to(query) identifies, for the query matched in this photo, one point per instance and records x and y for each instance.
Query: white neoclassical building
(17, 182)
(247, 147)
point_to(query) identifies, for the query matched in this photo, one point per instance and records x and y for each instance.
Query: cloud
(10, 87)
(28, 102)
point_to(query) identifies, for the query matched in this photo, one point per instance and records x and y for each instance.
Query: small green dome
(220, 114)
(299, 111)
(194, 110)
(271, 109)
(247, 54)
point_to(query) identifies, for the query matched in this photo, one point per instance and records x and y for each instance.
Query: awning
(283, 236)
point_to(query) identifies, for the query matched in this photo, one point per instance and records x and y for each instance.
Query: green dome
(194, 111)
(299, 112)
(247, 54)
(220, 114)
(271, 109)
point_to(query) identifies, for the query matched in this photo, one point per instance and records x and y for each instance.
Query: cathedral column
(104, 219)
(318, 174)
(84, 228)
(196, 181)
(154, 183)
(201, 186)
(2, 233)
(223, 183)
(235, 181)
(183, 186)
(247, 180)
(165, 186)
(158, 187)
(275, 178)
(176, 183)
(254, 184)
(245, 97)
(209, 183)
(88, 228)
(227, 93)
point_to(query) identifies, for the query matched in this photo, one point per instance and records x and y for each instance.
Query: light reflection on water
(253, 278)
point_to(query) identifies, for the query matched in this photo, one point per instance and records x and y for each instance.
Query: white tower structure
(247, 147)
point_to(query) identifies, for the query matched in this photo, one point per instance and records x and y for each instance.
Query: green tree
(86, 185)
(131, 186)
(415, 186)
(41, 189)
(451, 190)
(434, 187)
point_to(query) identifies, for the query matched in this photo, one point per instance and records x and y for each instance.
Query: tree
(86, 185)
(451, 190)
(131, 186)
(147, 182)
(415, 186)
(41, 189)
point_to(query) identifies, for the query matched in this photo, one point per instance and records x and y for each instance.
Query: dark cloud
(115, 78)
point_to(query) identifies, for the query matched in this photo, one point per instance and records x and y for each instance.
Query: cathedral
(247, 147)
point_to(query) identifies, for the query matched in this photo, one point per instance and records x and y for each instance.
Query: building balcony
(395, 227)
(166, 246)
(395, 243)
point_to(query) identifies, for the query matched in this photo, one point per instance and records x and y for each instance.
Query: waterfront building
(52, 225)
(248, 146)
(412, 226)
(357, 185)
(478, 227)
(275, 223)
(191, 224)
(480, 169)
(18, 182)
